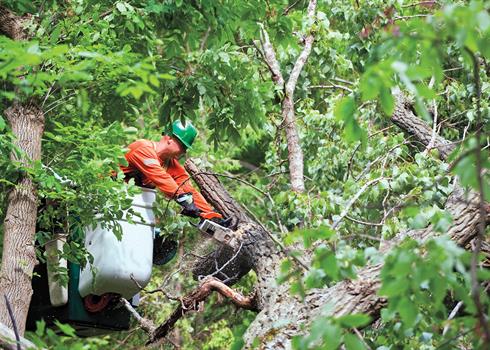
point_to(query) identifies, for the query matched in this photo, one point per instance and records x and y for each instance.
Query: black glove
(187, 202)
(224, 222)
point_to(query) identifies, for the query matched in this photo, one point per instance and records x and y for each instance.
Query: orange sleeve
(181, 177)
(145, 159)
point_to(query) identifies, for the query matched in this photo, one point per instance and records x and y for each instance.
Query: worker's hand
(187, 202)
(223, 222)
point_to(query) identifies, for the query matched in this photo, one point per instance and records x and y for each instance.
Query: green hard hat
(185, 134)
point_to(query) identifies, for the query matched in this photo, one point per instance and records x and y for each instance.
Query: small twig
(146, 324)
(451, 316)
(361, 338)
(359, 145)
(421, 3)
(374, 238)
(363, 222)
(286, 11)
(343, 81)
(353, 200)
(205, 39)
(332, 86)
(402, 18)
(218, 270)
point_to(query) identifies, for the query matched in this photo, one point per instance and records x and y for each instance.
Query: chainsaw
(220, 233)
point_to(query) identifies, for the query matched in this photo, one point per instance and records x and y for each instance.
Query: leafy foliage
(107, 73)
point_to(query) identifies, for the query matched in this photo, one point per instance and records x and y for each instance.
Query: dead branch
(354, 199)
(192, 300)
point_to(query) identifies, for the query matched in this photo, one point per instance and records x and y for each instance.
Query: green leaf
(387, 101)
(332, 336)
(354, 320)
(2, 123)
(65, 328)
(352, 342)
(370, 86)
(121, 7)
(466, 170)
(345, 108)
(408, 311)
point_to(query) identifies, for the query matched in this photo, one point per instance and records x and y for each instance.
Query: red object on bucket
(95, 303)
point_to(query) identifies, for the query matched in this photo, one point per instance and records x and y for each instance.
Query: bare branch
(145, 323)
(192, 300)
(286, 10)
(300, 62)
(269, 55)
(354, 199)
(331, 86)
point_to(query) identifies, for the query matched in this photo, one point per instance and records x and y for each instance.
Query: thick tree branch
(145, 323)
(407, 121)
(303, 57)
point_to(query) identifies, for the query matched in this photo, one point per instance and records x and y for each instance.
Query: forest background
(304, 139)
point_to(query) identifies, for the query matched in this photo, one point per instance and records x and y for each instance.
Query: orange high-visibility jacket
(166, 174)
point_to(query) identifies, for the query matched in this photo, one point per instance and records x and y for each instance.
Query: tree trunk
(283, 316)
(19, 257)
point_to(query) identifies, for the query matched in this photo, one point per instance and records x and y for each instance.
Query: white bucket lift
(122, 267)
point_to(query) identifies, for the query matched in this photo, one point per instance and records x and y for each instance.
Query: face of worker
(175, 149)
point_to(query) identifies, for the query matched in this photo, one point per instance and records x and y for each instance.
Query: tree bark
(349, 296)
(19, 257)
(404, 118)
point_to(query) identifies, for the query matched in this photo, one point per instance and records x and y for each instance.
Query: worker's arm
(181, 177)
(145, 159)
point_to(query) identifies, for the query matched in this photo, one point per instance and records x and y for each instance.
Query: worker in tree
(155, 164)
